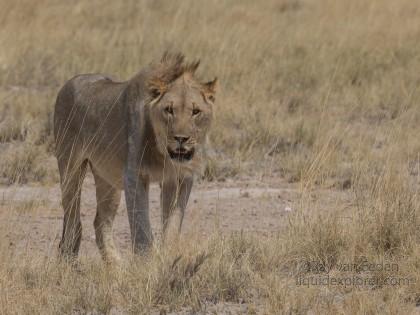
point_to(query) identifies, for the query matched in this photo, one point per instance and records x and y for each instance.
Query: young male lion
(149, 128)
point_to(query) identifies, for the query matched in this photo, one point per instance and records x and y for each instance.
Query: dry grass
(321, 92)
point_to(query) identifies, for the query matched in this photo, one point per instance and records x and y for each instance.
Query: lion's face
(181, 117)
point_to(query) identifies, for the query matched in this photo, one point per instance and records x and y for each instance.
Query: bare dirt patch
(34, 214)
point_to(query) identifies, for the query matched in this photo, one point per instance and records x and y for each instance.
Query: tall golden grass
(321, 92)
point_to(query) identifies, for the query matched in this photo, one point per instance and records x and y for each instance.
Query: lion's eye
(169, 110)
(196, 111)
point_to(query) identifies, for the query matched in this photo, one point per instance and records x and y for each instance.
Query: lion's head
(181, 108)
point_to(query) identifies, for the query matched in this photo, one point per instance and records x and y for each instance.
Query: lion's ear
(209, 90)
(156, 89)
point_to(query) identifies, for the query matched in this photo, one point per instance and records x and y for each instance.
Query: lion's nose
(181, 139)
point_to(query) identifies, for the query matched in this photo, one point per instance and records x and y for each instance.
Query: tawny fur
(124, 131)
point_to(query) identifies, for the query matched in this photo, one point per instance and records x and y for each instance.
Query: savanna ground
(314, 162)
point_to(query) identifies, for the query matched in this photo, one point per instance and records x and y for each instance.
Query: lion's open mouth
(181, 154)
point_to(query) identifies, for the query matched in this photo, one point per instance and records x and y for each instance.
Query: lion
(151, 128)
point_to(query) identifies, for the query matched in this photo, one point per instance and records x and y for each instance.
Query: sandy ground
(32, 216)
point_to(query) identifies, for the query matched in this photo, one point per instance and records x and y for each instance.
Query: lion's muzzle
(181, 154)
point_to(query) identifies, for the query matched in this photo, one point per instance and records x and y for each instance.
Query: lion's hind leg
(108, 200)
(72, 175)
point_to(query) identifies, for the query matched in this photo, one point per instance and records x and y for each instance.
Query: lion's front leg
(174, 199)
(137, 198)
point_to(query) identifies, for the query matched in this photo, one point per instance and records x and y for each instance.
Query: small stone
(245, 194)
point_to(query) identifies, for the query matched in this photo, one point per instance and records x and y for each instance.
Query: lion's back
(87, 108)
